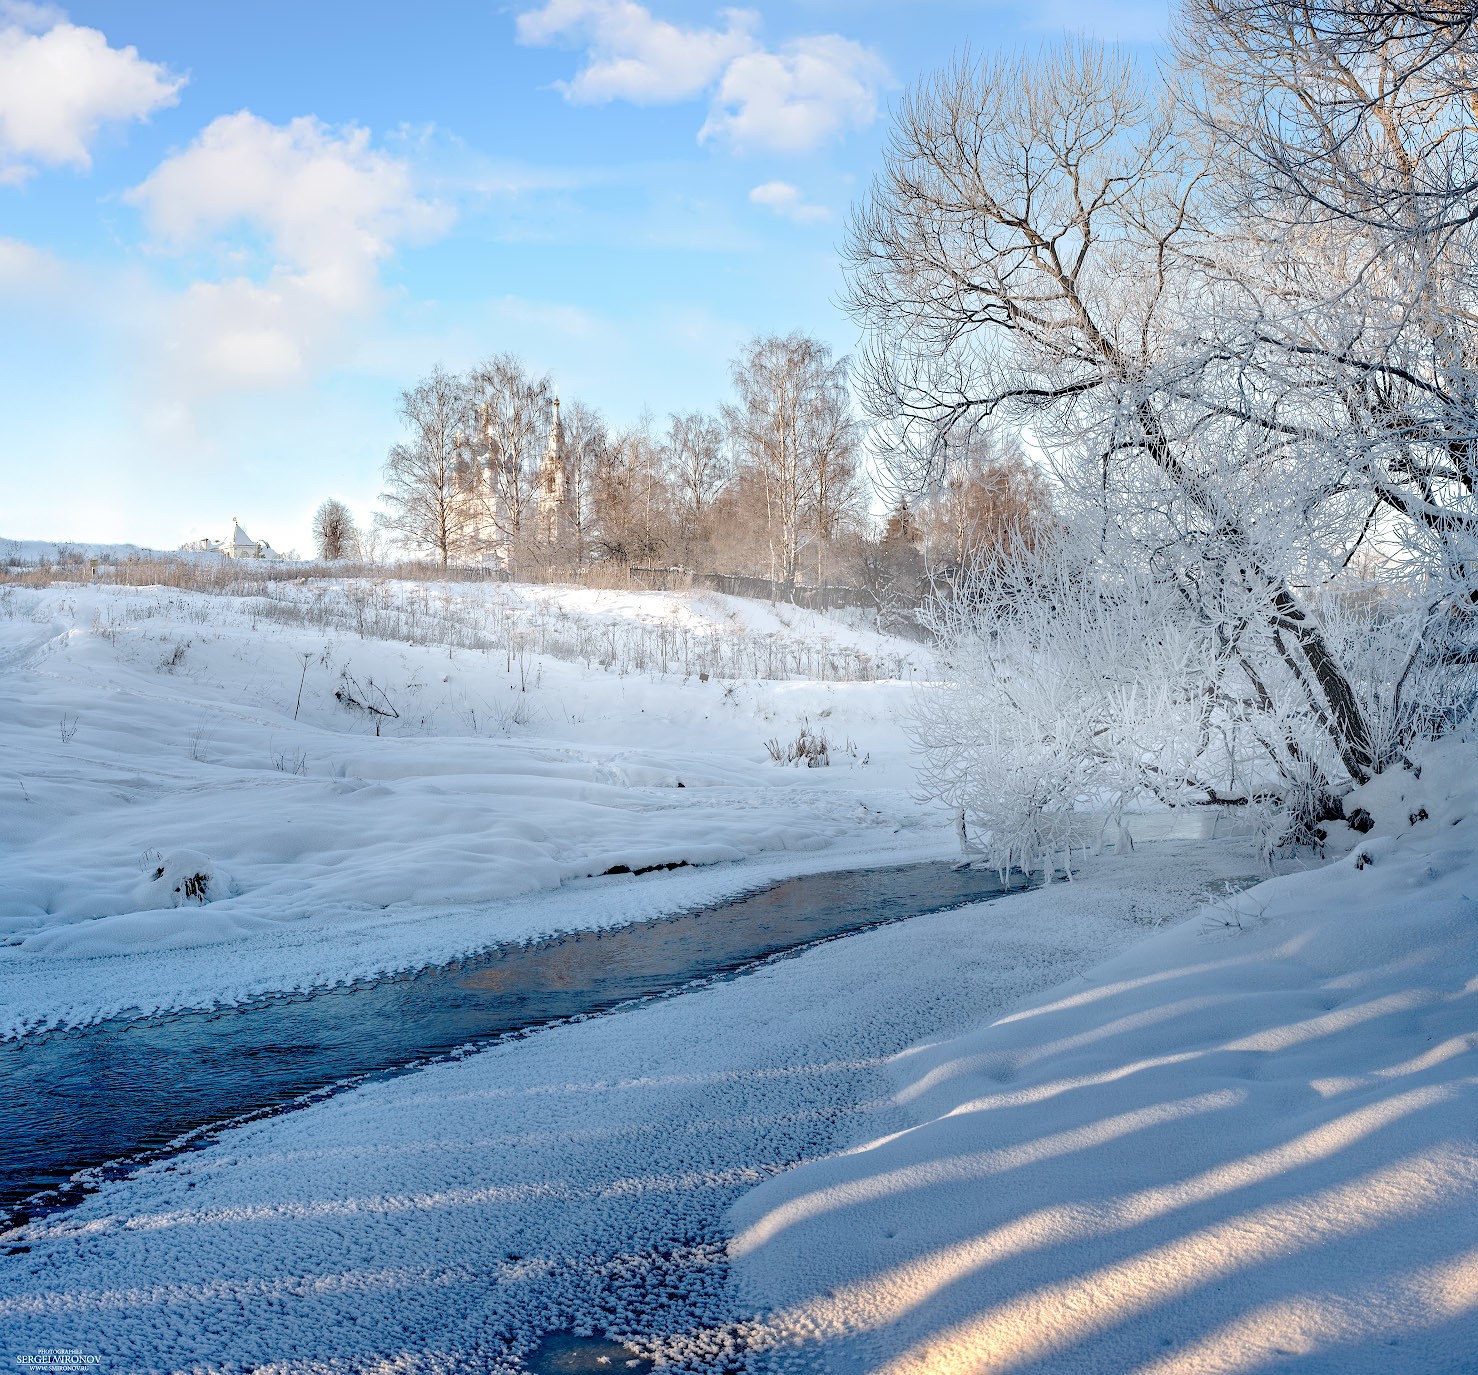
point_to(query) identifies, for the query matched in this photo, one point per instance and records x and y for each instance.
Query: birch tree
(509, 409)
(424, 502)
(696, 460)
(628, 498)
(793, 424)
(989, 496)
(587, 444)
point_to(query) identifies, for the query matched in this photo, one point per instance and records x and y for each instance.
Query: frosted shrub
(182, 878)
(1414, 673)
(1078, 685)
(1069, 695)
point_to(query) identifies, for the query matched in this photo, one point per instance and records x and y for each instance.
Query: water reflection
(121, 1090)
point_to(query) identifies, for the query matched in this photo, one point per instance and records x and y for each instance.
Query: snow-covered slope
(356, 777)
(575, 1178)
(1250, 1143)
(34, 551)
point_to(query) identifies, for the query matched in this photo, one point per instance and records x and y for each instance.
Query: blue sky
(230, 233)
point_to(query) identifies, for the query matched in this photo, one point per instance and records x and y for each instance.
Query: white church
(554, 496)
(238, 545)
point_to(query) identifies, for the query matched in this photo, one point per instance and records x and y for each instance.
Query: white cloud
(328, 201)
(24, 268)
(789, 99)
(798, 98)
(24, 14)
(786, 200)
(631, 55)
(330, 209)
(60, 83)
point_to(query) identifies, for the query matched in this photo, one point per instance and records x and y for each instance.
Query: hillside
(329, 779)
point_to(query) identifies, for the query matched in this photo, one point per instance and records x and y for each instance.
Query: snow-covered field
(1105, 1126)
(160, 746)
(29, 552)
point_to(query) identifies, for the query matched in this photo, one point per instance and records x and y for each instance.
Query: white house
(239, 545)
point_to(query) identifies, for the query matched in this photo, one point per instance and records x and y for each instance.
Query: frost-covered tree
(1353, 136)
(1222, 409)
(1346, 114)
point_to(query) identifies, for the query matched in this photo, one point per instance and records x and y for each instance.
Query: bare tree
(696, 461)
(793, 425)
(334, 533)
(425, 503)
(628, 499)
(830, 438)
(1353, 113)
(510, 417)
(989, 497)
(740, 535)
(587, 445)
(889, 565)
(372, 540)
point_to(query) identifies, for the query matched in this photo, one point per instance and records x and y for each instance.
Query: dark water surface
(121, 1090)
(565, 1353)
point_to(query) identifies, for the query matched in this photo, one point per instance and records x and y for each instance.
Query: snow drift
(1248, 1143)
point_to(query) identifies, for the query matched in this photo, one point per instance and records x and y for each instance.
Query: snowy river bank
(574, 1179)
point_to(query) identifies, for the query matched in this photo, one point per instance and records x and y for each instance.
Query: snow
(574, 1179)
(32, 551)
(1245, 1142)
(143, 724)
(1152, 1120)
(1248, 1143)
